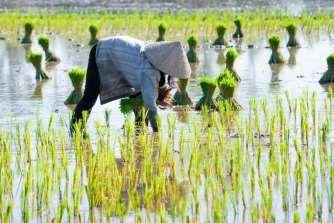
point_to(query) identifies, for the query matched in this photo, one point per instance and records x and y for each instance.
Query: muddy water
(22, 98)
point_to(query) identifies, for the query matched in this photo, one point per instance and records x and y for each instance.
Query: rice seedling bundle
(44, 42)
(28, 28)
(226, 84)
(161, 31)
(292, 42)
(231, 56)
(276, 57)
(36, 60)
(77, 76)
(93, 33)
(208, 86)
(191, 54)
(220, 41)
(181, 96)
(328, 76)
(238, 33)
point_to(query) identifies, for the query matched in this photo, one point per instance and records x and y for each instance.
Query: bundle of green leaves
(328, 76)
(238, 33)
(208, 86)
(162, 31)
(231, 56)
(36, 60)
(131, 104)
(226, 83)
(28, 28)
(181, 97)
(77, 76)
(44, 42)
(292, 29)
(276, 57)
(221, 29)
(191, 54)
(93, 33)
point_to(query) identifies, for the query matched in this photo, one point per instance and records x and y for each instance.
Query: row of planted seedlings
(273, 163)
(180, 24)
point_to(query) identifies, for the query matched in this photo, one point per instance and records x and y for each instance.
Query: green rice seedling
(227, 84)
(181, 97)
(161, 31)
(36, 60)
(220, 41)
(77, 76)
(231, 56)
(292, 29)
(328, 76)
(191, 54)
(296, 217)
(93, 33)
(208, 86)
(136, 105)
(238, 33)
(276, 57)
(44, 41)
(28, 28)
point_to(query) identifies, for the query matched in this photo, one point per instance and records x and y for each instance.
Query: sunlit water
(23, 98)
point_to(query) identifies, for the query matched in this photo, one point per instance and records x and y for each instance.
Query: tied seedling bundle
(44, 42)
(276, 57)
(36, 60)
(191, 54)
(226, 83)
(93, 33)
(133, 104)
(162, 31)
(28, 28)
(292, 30)
(238, 33)
(220, 41)
(181, 97)
(231, 56)
(208, 86)
(328, 76)
(77, 76)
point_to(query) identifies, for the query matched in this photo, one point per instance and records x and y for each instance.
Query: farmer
(122, 66)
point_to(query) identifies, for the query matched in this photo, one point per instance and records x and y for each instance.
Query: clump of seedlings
(36, 60)
(238, 33)
(77, 76)
(220, 41)
(328, 76)
(44, 42)
(133, 104)
(208, 86)
(276, 57)
(181, 97)
(93, 33)
(162, 31)
(28, 28)
(227, 83)
(191, 54)
(292, 30)
(231, 56)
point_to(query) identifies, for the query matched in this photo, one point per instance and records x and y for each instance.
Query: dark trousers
(91, 92)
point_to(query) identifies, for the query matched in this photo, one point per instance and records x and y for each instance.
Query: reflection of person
(122, 66)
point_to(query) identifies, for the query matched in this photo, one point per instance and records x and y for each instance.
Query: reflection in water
(193, 67)
(275, 71)
(38, 93)
(27, 50)
(221, 57)
(292, 55)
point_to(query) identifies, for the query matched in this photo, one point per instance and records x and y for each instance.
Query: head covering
(168, 57)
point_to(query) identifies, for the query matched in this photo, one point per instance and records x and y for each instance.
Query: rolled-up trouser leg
(91, 92)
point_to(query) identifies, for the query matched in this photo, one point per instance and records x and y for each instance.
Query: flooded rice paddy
(273, 163)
